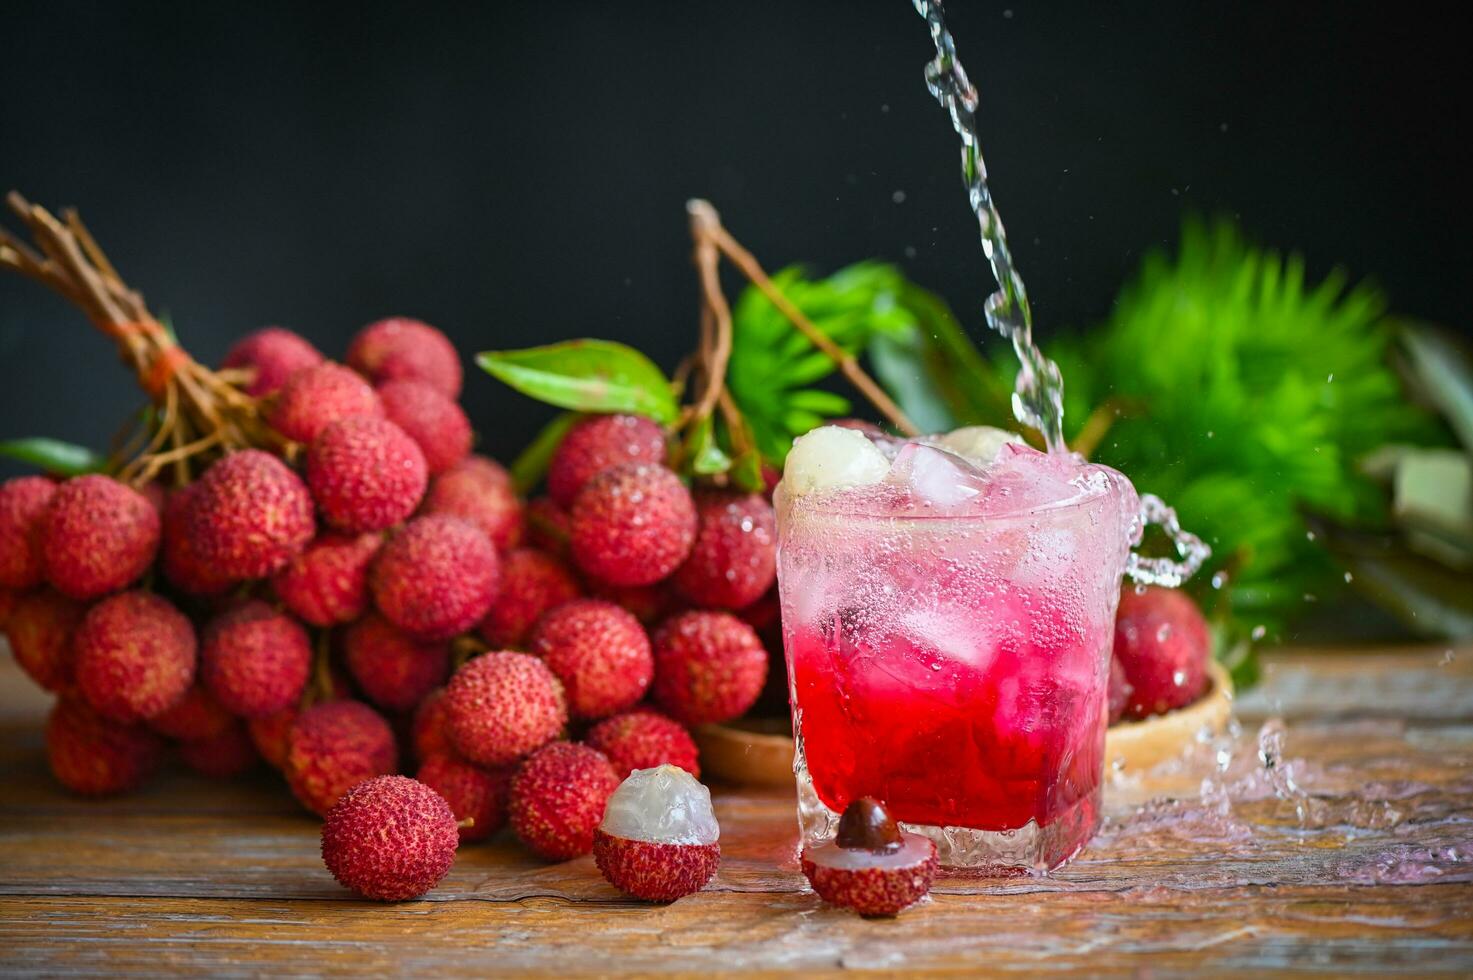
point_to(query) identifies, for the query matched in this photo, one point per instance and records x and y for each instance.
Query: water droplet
(1140, 589)
(1309, 535)
(1163, 634)
(1310, 597)
(1222, 127)
(1258, 633)
(1178, 677)
(1211, 434)
(898, 197)
(1349, 577)
(1447, 657)
(1331, 378)
(910, 251)
(884, 107)
(1008, 14)
(1219, 579)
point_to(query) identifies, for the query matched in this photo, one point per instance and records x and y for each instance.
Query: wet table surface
(1350, 851)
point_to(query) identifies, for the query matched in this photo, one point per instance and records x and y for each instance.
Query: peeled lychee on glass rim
(871, 866)
(659, 839)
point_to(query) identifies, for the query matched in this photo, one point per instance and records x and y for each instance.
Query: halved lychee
(659, 836)
(871, 866)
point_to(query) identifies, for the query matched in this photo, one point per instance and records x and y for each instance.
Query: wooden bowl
(759, 751)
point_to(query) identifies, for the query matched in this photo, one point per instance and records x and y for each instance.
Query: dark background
(515, 173)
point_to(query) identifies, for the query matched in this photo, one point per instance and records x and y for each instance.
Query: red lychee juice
(948, 626)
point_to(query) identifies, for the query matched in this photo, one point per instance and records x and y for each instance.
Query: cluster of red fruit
(196, 614)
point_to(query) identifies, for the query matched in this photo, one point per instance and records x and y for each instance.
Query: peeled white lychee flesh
(978, 444)
(659, 839)
(832, 458)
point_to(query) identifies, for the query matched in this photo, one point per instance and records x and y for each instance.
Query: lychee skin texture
(436, 578)
(327, 583)
(250, 514)
(632, 524)
(479, 491)
(275, 354)
(473, 793)
(135, 656)
(366, 474)
(709, 667)
(255, 660)
(400, 348)
(1163, 644)
(558, 799)
(655, 872)
(597, 443)
(548, 526)
(223, 756)
(334, 746)
(734, 560)
(23, 502)
(599, 652)
(178, 557)
(432, 420)
(532, 582)
(196, 716)
(872, 892)
(315, 398)
(96, 757)
(643, 739)
(647, 603)
(97, 536)
(390, 839)
(40, 629)
(393, 669)
(427, 732)
(501, 706)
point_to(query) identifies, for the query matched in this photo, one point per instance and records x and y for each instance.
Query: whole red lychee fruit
(40, 628)
(255, 660)
(269, 733)
(223, 756)
(327, 583)
(96, 757)
(97, 536)
(644, 739)
(659, 840)
(194, 717)
(647, 603)
(532, 582)
(249, 515)
(436, 578)
(432, 420)
(427, 732)
(558, 798)
(734, 559)
(1163, 644)
(632, 524)
(334, 746)
(479, 491)
(871, 866)
(178, 557)
(390, 839)
(316, 397)
(549, 526)
(274, 354)
(709, 667)
(502, 705)
(135, 656)
(366, 474)
(393, 669)
(597, 443)
(475, 794)
(23, 502)
(400, 348)
(599, 652)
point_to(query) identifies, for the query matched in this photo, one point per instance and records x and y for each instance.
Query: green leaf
(530, 465)
(587, 376)
(901, 367)
(703, 455)
(54, 456)
(746, 471)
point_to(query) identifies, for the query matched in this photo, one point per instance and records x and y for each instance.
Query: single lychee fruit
(502, 705)
(178, 556)
(97, 536)
(274, 354)
(393, 669)
(334, 746)
(223, 756)
(255, 660)
(269, 733)
(597, 443)
(632, 524)
(709, 667)
(135, 656)
(427, 732)
(647, 603)
(1163, 644)
(249, 515)
(436, 578)
(871, 867)
(558, 798)
(23, 502)
(314, 398)
(194, 717)
(40, 628)
(532, 582)
(94, 756)
(549, 526)
(391, 839)
(734, 560)
(400, 348)
(659, 840)
(644, 739)
(1118, 692)
(599, 652)
(432, 420)
(8, 599)
(479, 491)
(327, 583)
(366, 474)
(475, 794)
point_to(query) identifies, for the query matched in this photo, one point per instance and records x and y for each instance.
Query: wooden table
(1366, 867)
